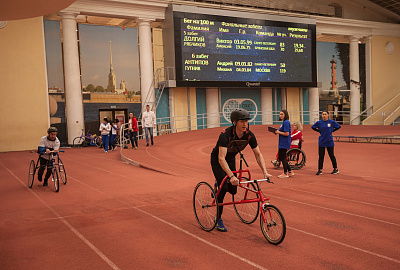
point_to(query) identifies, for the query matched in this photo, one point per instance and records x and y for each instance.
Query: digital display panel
(238, 52)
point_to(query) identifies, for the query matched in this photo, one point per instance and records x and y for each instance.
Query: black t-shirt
(228, 135)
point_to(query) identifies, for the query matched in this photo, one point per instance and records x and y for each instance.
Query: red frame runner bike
(248, 202)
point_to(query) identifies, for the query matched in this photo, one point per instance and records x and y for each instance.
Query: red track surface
(112, 215)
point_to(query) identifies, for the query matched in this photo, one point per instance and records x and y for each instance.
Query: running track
(113, 215)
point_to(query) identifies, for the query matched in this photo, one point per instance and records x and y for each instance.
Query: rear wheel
(61, 171)
(296, 158)
(55, 180)
(274, 225)
(31, 175)
(78, 142)
(205, 206)
(247, 212)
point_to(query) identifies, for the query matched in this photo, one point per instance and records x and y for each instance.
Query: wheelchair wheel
(296, 158)
(274, 226)
(55, 180)
(247, 212)
(98, 142)
(31, 175)
(61, 171)
(205, 206)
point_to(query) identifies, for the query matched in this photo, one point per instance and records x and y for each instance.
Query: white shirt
(105, 129)
(148, 119)
(46, 143)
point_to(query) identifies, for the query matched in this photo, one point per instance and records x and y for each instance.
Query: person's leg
(42, 166)
(333, 159)
(135, 139)
(321, 155)
(282, 158)
(105, 142)
(112, 141)
(146, 132)
(151, 135)
(48, 172)
(131, 134)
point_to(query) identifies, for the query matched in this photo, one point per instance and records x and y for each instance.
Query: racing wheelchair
(295, 157)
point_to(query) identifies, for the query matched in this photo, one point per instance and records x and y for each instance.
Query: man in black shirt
(223, 162)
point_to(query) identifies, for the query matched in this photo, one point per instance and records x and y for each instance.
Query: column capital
(355, 38)
(144, 21)
(68, 15)
(367, 39)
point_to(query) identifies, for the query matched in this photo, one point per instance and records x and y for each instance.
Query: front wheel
(205, 206)
(61, 171)
(247, 212)
(56, 180)
(273, 225)
(31, 175)
(77, 142)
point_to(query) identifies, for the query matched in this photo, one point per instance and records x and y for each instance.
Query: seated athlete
(47, 144)
(223, 162)
(296, 138)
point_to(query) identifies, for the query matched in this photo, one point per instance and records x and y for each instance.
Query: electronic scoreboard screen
(218, 51)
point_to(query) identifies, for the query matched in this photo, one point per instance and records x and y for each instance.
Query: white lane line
(84, 239)
(338, 211)
(346, 245)
(344, 199)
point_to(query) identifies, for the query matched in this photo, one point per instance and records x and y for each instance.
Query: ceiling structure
(391, 5)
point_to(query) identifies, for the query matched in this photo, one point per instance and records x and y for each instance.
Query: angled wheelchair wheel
(205, 206)
(246, 212)
(31, 175)
(61, 171)
(273, 226)
(296, 158)
(56, 180)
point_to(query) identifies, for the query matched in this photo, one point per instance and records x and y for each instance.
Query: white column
(212, 107)
(354, 75)
(313, 104)
(368, 93)
(73, 87)
(146, 63)
(171, 109)
(266, 106)
(283, 99)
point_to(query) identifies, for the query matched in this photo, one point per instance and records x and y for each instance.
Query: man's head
(52, 133)
(147, 107)
(240, 118)
(131, 115)
(105, 120)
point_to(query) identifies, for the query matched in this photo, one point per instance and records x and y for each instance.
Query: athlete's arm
(222, 161)
(260, 161)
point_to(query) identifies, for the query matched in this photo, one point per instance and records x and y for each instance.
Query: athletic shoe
(319, 172)
(135, 147)
(220, 226)
(335, 171)
(291, 173)
(274, 162)
(283, 175)
(45, 183)
(39, 179)
(147, 145)
(152, 143)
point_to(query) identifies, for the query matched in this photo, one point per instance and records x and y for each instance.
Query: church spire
(112, 82)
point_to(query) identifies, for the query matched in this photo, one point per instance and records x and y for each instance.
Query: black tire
(247, 212)
(296, 158)
(78, 142)
(98, 142)
(205, 207)
(31, 175)
(61, 171)
(56, 180)
(274, 226)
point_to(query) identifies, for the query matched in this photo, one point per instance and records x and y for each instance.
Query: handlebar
(259, 180)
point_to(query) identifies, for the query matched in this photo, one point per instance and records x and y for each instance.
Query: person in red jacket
(133, 131)
(296, 140)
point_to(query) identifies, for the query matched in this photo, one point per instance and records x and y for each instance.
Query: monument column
(354, 81)
(73, 88)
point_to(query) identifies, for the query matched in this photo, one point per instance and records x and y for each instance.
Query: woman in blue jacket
(284, 132)
(326, 127)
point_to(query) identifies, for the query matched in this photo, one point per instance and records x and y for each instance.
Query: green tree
(90, 88)
(138, 93)
(100, 88)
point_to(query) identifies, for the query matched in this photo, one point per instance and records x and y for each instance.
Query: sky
(325, 50)
(95, 55)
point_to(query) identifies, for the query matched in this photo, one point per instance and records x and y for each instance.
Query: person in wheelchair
(223, 161)
(296, 140)
(47, 144)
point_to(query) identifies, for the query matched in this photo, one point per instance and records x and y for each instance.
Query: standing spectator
(326, 127)
(105, 129)
(114, 128)
(284, 132)
(133, 131)
(148, 122)
(47, 144)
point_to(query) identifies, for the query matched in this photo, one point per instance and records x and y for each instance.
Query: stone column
(212, 107)
(313, 104)
(73, 88)
(146, 63)
(266, 106)
(354, 76)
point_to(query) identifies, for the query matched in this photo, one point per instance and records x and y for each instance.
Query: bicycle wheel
(274, 226)
(31, 175)
(247, 212)
(55, 180)
(97, 141)
(205, 206)
(61, 171)
(296, 158)
(78, 141)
